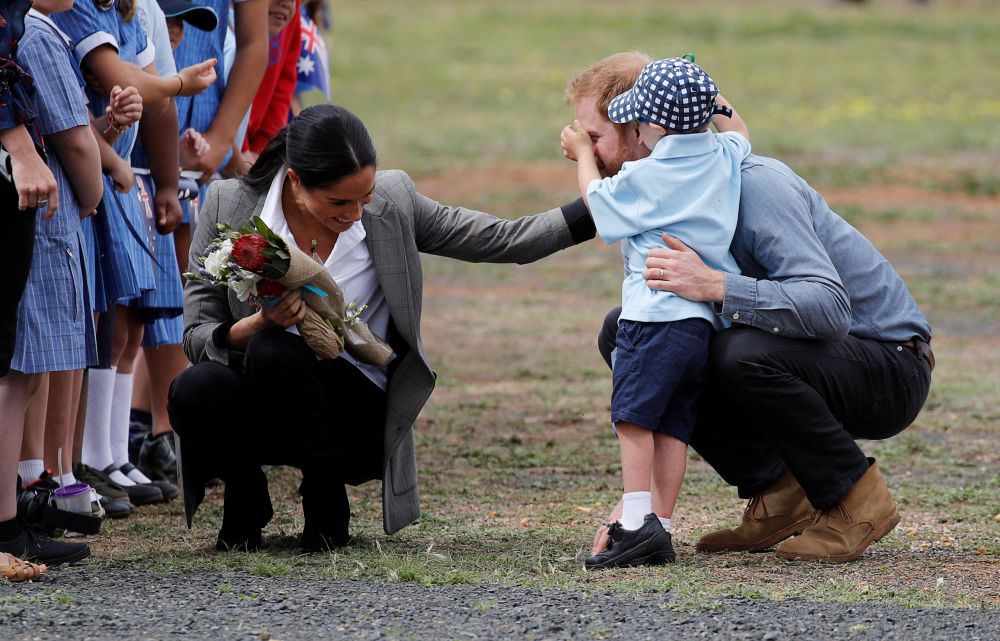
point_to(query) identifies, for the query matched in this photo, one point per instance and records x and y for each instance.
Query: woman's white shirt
(351, 266)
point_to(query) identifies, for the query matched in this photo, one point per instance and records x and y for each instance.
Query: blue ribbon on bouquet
(271, 301)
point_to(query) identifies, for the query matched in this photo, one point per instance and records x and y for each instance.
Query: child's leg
(60, 421)
(31, 465)
(636, 446)
(669, 464)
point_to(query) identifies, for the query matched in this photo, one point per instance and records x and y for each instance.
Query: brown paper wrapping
(358, 340)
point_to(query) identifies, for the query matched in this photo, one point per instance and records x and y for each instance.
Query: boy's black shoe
(649, 545)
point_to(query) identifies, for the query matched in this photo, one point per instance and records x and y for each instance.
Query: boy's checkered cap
(673, 93)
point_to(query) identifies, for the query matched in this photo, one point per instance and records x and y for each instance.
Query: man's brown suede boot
(842, 533)
(779, 512)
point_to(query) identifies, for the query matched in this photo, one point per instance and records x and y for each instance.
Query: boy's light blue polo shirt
(689, 187)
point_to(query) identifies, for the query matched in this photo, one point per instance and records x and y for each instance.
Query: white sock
(97, 428)
(635, 507)
(665, 522)
(121, 405)
(121, 479)
(66, 479)
(30, 470)
(138, 476)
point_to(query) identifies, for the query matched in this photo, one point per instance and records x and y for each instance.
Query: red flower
(247, 252)
(270, 289)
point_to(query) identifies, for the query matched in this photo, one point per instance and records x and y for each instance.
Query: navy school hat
(197, 16)
(674, 93)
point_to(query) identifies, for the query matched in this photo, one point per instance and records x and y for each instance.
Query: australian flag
(314, 66)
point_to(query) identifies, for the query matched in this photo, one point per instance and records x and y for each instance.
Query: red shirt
(269, 112)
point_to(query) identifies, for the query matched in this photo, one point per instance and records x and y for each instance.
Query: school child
(111, 48)
(271, 104)
(689, 187)
(55, 332)
(162, 358)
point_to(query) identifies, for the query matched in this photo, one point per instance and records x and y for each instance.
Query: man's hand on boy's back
(679, 269)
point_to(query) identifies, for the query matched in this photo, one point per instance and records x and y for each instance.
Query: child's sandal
(17, 570)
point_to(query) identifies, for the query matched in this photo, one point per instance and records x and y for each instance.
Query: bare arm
(158, 130)
(80, 158)
(113, 164)
(577, 145)
(109, 70)
(241, 87)
(32, 176)
(733, 123)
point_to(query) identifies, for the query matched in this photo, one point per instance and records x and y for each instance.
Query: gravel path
(75, 603)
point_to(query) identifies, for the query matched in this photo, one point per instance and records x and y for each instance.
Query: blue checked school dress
(124, 257)
(55, 329)
(199, 111)
(163, 305)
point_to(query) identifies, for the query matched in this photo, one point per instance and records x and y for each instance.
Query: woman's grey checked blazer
(399, 223)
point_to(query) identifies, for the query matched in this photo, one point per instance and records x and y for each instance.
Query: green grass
(516, 463)
(444, 84)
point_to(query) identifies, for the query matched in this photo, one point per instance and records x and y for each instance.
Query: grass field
(892, 110)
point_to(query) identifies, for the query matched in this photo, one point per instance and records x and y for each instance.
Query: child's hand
(125, 107)
(168, 210)
(197, 78)
(193, 148)
(121, 175)
(575, 140)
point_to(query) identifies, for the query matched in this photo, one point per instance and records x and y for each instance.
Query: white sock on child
(121, 479)
(66, 479)
(30, 470)
(635, 507)
(665, 522)
(121, 407)
(97, 429)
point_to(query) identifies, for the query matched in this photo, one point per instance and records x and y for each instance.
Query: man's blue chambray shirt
(806, 272)
(689, 187)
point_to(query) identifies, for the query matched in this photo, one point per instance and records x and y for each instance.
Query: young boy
(689, 187)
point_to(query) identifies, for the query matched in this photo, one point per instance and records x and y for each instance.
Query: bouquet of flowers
(258, 264)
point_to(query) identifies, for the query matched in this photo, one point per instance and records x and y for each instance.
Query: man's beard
(614, 165)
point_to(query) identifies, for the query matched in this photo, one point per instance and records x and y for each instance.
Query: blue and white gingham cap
(674, 93)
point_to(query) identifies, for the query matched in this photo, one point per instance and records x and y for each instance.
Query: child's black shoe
(649, 545)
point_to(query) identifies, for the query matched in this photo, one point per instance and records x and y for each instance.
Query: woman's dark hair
(322, 144)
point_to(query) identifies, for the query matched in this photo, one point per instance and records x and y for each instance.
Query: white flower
(245, 286)
(218, 259)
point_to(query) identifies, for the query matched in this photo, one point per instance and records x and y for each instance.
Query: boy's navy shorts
(660, 369)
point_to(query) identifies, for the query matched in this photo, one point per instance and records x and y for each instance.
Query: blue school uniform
(199, 111)
(125, 259)
(163, 305)
(55, 329)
